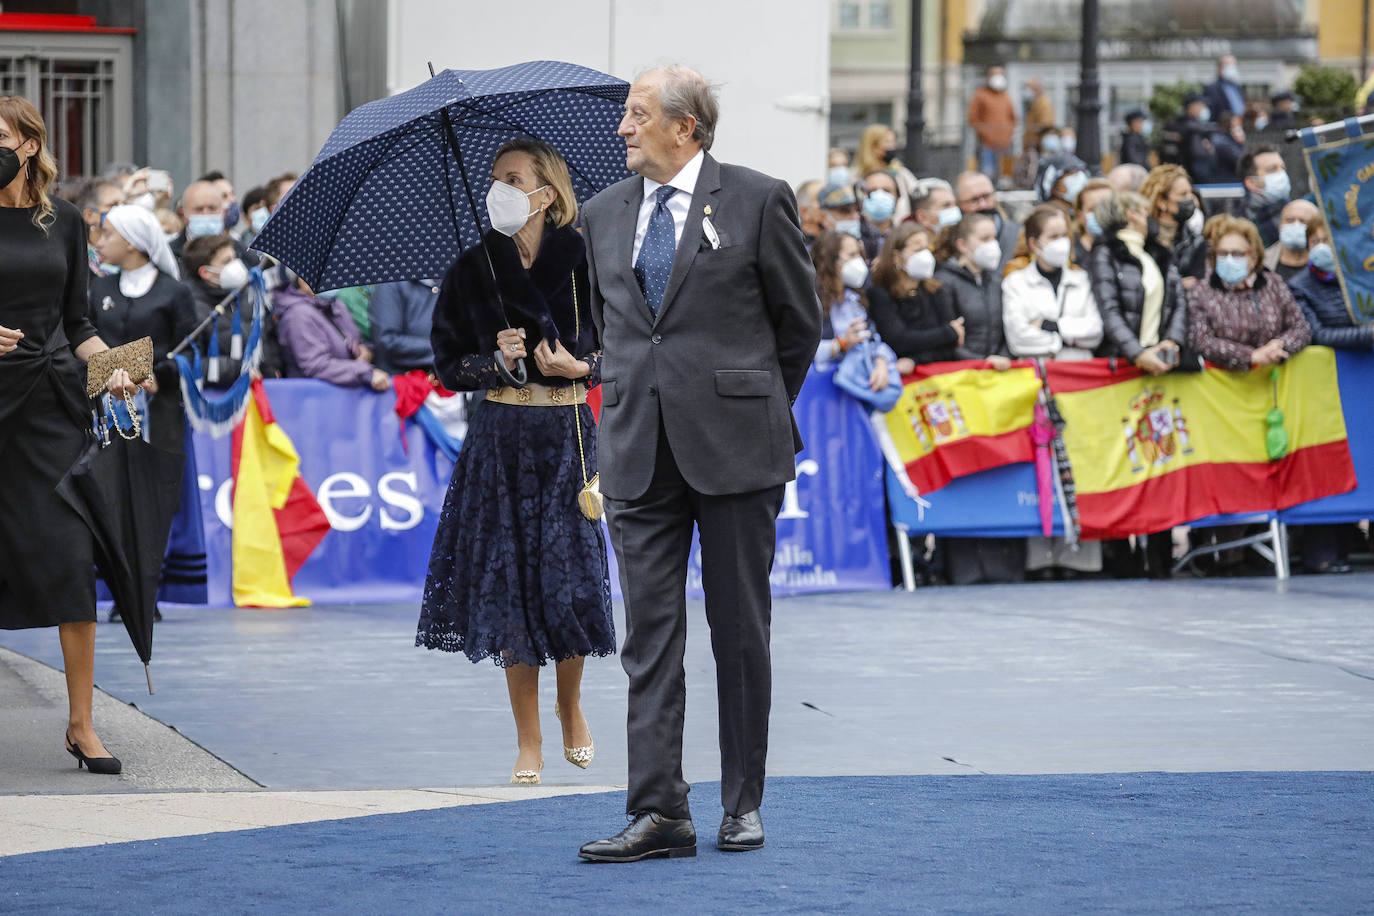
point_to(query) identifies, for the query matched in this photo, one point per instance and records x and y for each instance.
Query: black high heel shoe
(106, 766)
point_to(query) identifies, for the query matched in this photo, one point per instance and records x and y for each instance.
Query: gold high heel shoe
(577, 756)
(527, 777)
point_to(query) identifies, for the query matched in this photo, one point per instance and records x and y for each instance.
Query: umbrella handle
(516, 379)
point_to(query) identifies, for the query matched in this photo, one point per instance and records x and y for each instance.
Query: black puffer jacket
(917, 326)
(1119, 289)
(1189, 253)
(980, 305)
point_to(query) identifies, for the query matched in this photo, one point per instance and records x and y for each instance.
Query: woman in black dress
(145, 299)
(517, 573)
(47, 575)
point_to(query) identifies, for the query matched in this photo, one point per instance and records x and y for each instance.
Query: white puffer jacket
(1028, 296)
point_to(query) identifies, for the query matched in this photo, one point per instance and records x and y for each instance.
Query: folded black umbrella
(128, 492)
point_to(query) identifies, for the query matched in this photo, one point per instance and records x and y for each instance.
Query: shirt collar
(135, 283)
(684, 180)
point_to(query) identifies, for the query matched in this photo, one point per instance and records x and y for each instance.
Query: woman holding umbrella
(517, 573)
(47, 576)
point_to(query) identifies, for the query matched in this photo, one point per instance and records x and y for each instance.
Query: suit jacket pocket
(610, 394)
(743, 383)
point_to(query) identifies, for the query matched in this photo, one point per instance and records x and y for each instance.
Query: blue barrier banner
(1343, 176)
(383, 497)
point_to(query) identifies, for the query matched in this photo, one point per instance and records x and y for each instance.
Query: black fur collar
(543, 294)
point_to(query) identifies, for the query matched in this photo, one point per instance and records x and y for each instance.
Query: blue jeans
(988, 161)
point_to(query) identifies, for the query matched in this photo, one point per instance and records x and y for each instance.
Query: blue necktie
(656, 252)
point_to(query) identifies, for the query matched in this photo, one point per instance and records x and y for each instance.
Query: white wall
(767, 56)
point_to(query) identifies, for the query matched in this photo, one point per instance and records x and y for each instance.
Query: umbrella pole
(520, 376)
(148, 673)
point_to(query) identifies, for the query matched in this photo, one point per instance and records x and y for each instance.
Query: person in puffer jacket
(1319, 296)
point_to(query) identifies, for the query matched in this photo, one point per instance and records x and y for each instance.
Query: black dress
(166, 313)
(48, 574)
(517, 574)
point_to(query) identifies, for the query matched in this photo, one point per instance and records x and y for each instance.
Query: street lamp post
(915, 99)
(1089, 106)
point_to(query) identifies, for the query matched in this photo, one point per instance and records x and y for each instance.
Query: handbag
(589, 501)
(857, 368)
(136, 358)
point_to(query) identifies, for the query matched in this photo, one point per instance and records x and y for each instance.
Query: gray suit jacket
(729, 350)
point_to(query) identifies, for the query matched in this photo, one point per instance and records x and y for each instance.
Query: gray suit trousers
(652, 538)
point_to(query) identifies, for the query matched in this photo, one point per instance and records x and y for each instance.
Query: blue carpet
(1259, 842)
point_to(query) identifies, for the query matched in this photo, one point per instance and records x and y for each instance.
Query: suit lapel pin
(706, 209)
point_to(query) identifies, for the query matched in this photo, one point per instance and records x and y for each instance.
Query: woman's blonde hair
(1224, 224)
(40, 171)
(864, 160)
(550, 168)
(1157, 185)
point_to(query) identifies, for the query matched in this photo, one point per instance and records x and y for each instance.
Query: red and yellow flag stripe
(955, 419)
(1149, 453)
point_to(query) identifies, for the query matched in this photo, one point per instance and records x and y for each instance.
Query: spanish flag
(1148, 453)
(955, 419)
(277, 522)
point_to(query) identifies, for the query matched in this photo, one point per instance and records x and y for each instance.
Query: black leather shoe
(740, 834)
(650, 835)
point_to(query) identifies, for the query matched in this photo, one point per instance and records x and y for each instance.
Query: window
(863, 15)
(84, 105)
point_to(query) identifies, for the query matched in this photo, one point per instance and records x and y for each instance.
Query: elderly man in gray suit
(705, 299)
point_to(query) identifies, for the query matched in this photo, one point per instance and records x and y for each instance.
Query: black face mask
(9, 166)
(888, 156)
(1186, 208)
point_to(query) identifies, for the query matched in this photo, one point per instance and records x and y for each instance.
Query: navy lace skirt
(517, 573)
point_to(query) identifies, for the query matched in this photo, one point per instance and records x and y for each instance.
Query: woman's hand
(9, 339)
(1269, 354)
(559, 362)
(380, 380)
(905, 366)
(364, 353)
(999, 363)
(958, 325)
(877, 379)
(856, 333)
(511, 343)
(122, 386)
(1148, 361)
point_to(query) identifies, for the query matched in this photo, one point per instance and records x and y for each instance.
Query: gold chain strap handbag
(589, 501)
(136, 358)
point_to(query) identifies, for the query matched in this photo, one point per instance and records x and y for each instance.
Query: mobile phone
(1168, 357)
(159, 180)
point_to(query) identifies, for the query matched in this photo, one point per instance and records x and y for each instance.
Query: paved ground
(1080, 677)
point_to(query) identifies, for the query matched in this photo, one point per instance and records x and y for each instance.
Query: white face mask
(508, 207)
(258, 218)
(853, 273)
(1197, 221)
(988, 256)
(233, 275)
(1056, 253)
(997, 82)
(921, 265)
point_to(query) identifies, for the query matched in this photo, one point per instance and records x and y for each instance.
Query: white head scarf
(140, 228)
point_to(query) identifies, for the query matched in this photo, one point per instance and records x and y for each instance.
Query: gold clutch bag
(136, 358)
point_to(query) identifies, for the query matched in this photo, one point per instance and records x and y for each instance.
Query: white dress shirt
(679, 205)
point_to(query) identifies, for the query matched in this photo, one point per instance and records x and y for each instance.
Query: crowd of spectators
(1131, 265)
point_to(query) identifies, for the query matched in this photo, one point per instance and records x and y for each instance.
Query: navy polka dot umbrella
(398, 189)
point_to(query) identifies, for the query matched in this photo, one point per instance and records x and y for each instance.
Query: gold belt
(535, 395)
